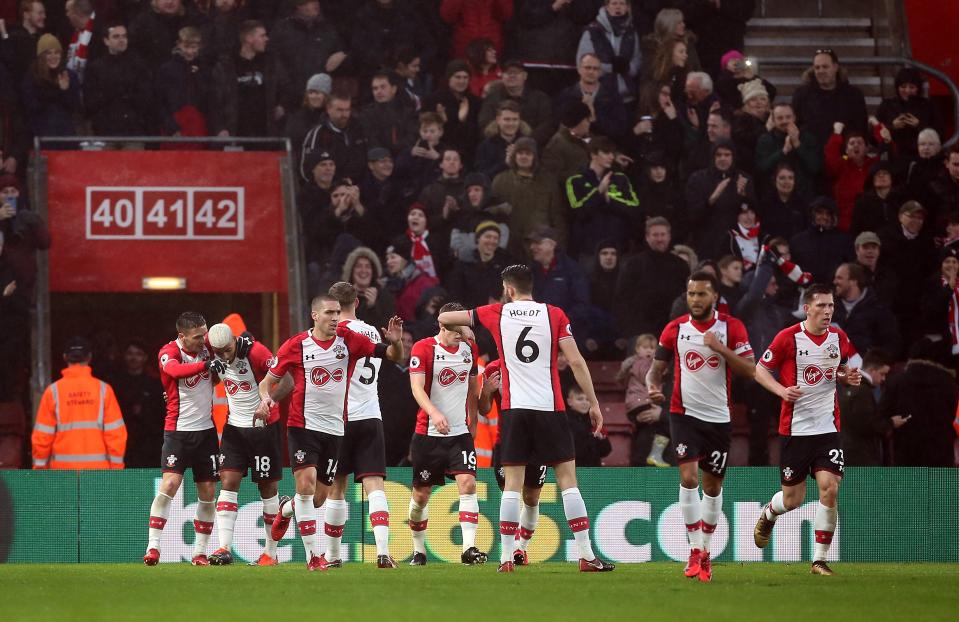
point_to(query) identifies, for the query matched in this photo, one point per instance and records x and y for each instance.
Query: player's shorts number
(836, 457)
(331, 466)
(717, 459)
(524, 345)
(469, 459)
(262, 464)
(368, 365)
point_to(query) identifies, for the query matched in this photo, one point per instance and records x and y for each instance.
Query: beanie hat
(455, 66)
(47, 43)
(525, 144)
(753, 88)
(402, 246)
(574, 114)
(417, 205)
(909, 75)
(320, 82)
(487, 225)
(728, 56)
(10, 181)
(947, 252)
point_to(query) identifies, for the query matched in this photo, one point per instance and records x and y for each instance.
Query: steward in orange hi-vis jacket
(79, 425)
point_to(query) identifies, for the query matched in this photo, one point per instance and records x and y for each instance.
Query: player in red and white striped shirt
(706, 347)
(443, 380)
(321, 362)
(188, 372)
(811, 357)
(533, 425)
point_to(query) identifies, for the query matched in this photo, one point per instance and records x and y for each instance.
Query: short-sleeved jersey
(364, 403)
(702, 376)
(321, 373)
(527, 336)
(188, 387)
(241, 381)
(448, 371)
(809, 362)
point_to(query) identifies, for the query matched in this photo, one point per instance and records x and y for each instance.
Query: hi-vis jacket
(79, 425)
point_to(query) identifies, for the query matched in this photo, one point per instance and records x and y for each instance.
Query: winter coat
(943, 198)
(414, 173)
(817, 110)
(547, 36)
(611, 118)
(225, 112)
(783, 219)
(906, 138)
(118, 100)
(381, 29)
(618, 53)
(392, 125)
(597, 218)
(472, 283)
(49, 109)
(861, 427)
(874, 213)
(179, 85)
(648, 283)
(763, 316)
(710, 223)
(408, 292)
(303, 48)
(491, 153)
(563, 285)
(746, 131)
(298, 125)
(870, 324)
(154, 35)
(535, 201)
(590, 450)
(667, 138)
(475, 19)
(348, 146)
(564, 154)
(912, 261)
(664, 199)
(920, 173)
(928, 392)
(24, 235)
(634, 371)
(820, 251)
(807, 160)
(847, 177)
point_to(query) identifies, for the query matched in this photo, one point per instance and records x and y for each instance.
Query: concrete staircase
(795, 30)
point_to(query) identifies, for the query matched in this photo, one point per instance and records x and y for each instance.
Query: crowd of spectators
(613, 146)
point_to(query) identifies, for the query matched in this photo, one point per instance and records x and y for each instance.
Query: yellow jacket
(79, 425)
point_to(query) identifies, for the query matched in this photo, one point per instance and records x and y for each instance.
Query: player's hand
(791, 394)
(263, 410)
(492, 384)
(467, 333)
(394, 330)
(260, 418)
(656, 394)
(440, 423)
(217, 366)
(711, 341)
(243, 346)
(596, 417)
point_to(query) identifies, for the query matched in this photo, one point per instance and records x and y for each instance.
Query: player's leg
(305, 479)
(515, 449)
(692, 510)
(159, 512)
(335, 519)
(712, 509)
(419, 516)
(529, 513)
(227, 506)
(205, 460)
(379, 519)
(269, 493)
(795, 464)
(469, 518)
(827, 517)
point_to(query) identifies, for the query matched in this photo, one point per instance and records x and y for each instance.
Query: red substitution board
(214, 218)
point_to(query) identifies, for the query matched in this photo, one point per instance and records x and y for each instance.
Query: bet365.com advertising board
(885, 515)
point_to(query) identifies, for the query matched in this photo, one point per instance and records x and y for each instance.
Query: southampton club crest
(788, 473)
(833, 351)
(424, 475)
(339, 351)
(300, 456)
(171, 460)
(681, 450)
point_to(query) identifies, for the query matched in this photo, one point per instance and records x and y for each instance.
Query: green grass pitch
(453, 593)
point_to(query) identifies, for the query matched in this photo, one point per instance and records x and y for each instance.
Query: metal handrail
(885, 60)
(215, 140)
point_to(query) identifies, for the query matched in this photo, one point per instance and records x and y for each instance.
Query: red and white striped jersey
(809, 362)
(448, 371)
(527, 336)
(188, 387)
(241, 381)
(321, 373)
(364, 402)
(702, 376)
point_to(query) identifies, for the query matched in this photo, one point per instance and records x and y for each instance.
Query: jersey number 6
(523, 345)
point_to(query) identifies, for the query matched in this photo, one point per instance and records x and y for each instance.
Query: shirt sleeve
(171, 365)
(488, 316)
(260, 359)
(564, 330)
(419, 358)
(739, 339)
(847, 352)
(491, 368)
(287, 357)
(474, 369)
(359, 345)
(667, 342)
(777, 352)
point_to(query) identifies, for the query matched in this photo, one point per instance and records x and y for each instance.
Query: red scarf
(77, 52)
(422, 257)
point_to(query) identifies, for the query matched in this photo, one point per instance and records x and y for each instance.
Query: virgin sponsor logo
(320, 376)
(233, 388)
(695, 361)
(448, 376)
(193, 381)
(813, 375)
